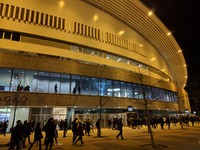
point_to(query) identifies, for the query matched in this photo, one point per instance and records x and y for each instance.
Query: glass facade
(51, 82)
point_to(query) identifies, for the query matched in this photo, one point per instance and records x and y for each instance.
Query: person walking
(74, 128)
(98, 127)
(79, 133)
(161, 121)
(119, 127)
(37, 136)
(50, 133)
(65, 128)
(168, 122)
(16, 136)
(88, 127)
(27, 130)
(4, 127)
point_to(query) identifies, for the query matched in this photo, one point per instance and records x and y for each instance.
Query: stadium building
(71, 58)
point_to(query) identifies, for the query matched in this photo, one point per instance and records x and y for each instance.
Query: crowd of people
(3, 127)
(48, 131)
(185, 120)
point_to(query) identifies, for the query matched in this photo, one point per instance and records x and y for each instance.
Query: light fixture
(95, 17)
(121, 32)
(169, 33)
(179, 50)
(150, 13)
(61, 4)
(152, 59)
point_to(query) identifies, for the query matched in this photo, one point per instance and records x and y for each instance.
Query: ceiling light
(61, 4)
(95, 17)
(121, 32)
(169, 33)
(150, 13)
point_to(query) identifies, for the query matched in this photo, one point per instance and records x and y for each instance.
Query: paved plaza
(138, 139)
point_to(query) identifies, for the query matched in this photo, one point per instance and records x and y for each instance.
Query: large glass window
(75, 84)
(140, 92)
(40, 81)
(18, 80)
(5, 78)
(65, 84)
(84, 85)
(94, 86)
(135, 91)
(54, 82)
(129, 90)
(117, 89)
(43, 82)
(155, 93)
(123, 89)
(102, 87)
(31, 80)
(109, 86)
(148, 92)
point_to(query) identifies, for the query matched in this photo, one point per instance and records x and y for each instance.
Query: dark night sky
(182, 18)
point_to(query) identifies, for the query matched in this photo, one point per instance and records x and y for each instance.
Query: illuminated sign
(130, 108)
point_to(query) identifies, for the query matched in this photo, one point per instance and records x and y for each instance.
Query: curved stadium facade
(75, 56)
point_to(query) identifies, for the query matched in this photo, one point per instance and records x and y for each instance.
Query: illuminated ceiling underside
(134, 14)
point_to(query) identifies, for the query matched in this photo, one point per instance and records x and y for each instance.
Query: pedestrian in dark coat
(27, 130)
(119, 127)
(50, 133)
(16, 136)
(74, 128)
(79, 133)
(37, 136)
(65, 128)
(98, 127)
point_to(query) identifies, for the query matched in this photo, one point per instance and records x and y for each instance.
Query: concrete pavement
(138, 139)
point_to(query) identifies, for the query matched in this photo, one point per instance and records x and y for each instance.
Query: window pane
(148, 93)
(140, 92)
(75, 84)
(31, 80)
(84, 85)
(102, 87)
(123, 89)
(54, 82)
(135, 91)
(46, 110)
(5, 76)
(94, 86)
(129, 90)
(18, 80)
(117, 89)
(109, 88)
(65, 83)
(43, 82)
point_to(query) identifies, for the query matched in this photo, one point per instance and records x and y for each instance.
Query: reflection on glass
(51, 82)
(5, 78)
